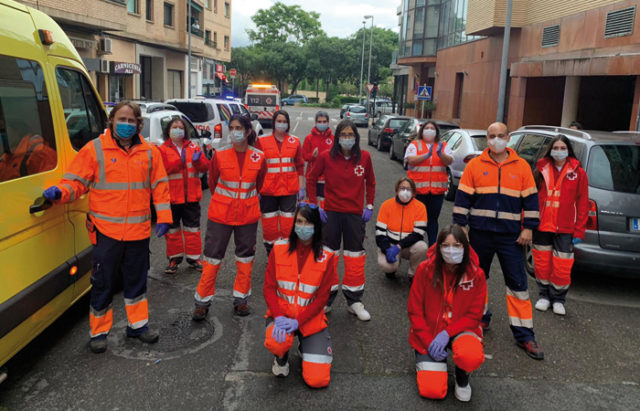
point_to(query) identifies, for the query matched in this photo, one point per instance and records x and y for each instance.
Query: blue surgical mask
(322, 127)
(282, 126)
(176, 134)
(347, 143)
(237, 136)
(559, 155)
(125, 130)
(304, 232)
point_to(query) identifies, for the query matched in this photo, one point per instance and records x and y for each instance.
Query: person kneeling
(445, 307)
(297, 284)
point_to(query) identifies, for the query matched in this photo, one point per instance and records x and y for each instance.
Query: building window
(215, 6)
(209, 4)
(457, 95)
(168, 14)
(132, 6)
(215, 39)
(145, 77)
(226, 42)
(227, 9)
(207, 37)
(149, 10)
(174, 83)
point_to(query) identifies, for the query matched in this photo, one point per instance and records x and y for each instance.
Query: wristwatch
(369, 206)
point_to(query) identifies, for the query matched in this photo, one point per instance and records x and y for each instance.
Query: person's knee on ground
(468, 354)
(433, 384)
(316, 375)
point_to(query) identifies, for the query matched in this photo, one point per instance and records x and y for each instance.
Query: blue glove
(438, 347)
(392, 253)
(576, 240)
(290, 325)
(278, 334)
(302, 194)
(439, 149)
(161, 229)
(366, 215)
(280, 321)
(323, 215)
(196, 156)
(52, 193)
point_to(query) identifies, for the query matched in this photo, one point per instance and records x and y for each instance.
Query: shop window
(226, 42)
(145, 77)
(132, 6)
(168, 14)
(174, 80)
(27, 145)
(227, 10)
(457, 93)
(149, 10)
(84, 117)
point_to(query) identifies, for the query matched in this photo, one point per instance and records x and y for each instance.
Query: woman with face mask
(236, 174)
(564, 209)
(445, 306)
(402, 221)
(348, 173)
(297, 284)
(428, 158)
(183, 161)
(284, 181)
(317, 142)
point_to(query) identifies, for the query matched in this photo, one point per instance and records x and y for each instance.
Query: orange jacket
(297, 287)
(398, 223)
(282, 175)
(235, 197)
(120, 184)
(184, 182)
(32, 155)
(430, 176)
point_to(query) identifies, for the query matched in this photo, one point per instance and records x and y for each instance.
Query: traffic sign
(232, 73)
(424, 93)
(370, 87)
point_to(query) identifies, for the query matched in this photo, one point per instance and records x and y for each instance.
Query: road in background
(591, 360)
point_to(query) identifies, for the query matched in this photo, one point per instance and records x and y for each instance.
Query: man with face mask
(497, 198)
(121, 172)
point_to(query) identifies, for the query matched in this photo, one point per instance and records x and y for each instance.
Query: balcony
(197, 32)
(210, 43)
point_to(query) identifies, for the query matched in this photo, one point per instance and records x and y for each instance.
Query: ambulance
(262, 100)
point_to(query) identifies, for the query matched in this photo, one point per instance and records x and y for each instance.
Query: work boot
(542, 304)
(358, 310)
(172, 268)
(98, 346)
(200, 313)
(558, 308)
(148, 337)
(532, 349)
(195, 264)
(242, 310)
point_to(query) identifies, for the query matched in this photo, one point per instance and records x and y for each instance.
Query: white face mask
(405, 195)
(237, 136)
(428, 134)
(452, 255)
(347, 143)
(559, 155)
(176, 134)
(498, 145)
(282, 126)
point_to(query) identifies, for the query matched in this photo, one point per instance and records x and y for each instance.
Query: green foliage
(281, 23)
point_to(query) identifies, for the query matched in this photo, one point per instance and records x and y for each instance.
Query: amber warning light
(73, 270)
(46, 37)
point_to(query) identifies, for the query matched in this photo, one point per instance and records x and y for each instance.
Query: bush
(341, 100)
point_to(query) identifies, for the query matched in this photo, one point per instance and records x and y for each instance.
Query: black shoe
(391, 275)
(172, 268)
(532, 349)
(149, 337)
(195, 264)
(242, 310)
(200, 313)
(98, 346)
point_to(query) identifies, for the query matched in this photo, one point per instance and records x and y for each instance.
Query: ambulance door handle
(40, 204)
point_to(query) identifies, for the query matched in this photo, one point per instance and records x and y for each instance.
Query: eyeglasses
(310, 205)
(347, 135)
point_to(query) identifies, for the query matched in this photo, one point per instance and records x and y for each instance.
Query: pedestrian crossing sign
(424, 93)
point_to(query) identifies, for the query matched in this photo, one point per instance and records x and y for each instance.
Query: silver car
(357, 114)
(465, 144)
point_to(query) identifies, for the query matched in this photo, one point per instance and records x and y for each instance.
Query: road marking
(236, 388)
(297, 123)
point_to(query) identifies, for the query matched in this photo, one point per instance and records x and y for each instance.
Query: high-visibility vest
(298, 286)
(282, 176)
(32, 155)
(549, 217)
(430, 176)
(235, 198)
(184, 185)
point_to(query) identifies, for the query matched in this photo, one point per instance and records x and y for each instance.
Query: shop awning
(195, 6)
(221, 76)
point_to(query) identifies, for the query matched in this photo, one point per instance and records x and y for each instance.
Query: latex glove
(196, 156)
(576, 240)
(302, 193)
(438, 347)
(161, 229)
(366, 215)
(323, 215)
(392, 253)
(439, 149)
(52, 193)
(278, 334)
(280, 321)
(290, 325)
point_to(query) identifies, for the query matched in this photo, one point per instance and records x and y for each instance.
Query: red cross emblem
(467, 286)
(269, 101)
(329, 142)
(292, 140)
(572, 175)
(323, 257)
(255, 157)
(359, 171)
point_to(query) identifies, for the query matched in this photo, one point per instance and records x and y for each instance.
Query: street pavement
(591, 355)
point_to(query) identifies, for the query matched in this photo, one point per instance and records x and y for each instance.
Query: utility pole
(503, 64)
(370, 48)
(364, 35)
(189, 51)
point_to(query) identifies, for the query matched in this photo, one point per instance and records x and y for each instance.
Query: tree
(281, 23)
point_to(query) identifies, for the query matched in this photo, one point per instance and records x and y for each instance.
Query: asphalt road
(592, 358)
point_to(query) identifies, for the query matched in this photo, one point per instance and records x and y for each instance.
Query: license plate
(635, 224)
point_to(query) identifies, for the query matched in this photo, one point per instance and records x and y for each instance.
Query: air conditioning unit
(104, 66)
(105, 45)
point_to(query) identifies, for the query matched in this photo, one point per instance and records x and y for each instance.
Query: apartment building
(138, 49)
(568, 60)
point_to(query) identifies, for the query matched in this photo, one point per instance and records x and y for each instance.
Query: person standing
(183, 161)
(564, 210)
(445, 307)
(317, 142)
(498, 199)
(348, 174)
(236, 173)
(428, 158)
(400, 229)
(296, 289)
(283, 182)
(122, 173)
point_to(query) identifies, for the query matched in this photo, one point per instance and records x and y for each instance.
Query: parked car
(612, 163)
(238, 108)
(294, 99)
(153, 105)
(465, 144)
(381, 107)
(207, 114)
(345, 107)
(357, 114)
(383, 128)
(402, 139)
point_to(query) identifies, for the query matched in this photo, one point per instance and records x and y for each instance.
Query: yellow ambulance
(48, 110)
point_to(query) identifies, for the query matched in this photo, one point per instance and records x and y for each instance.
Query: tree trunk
(328, 83)
(294, 88)
(318, 89)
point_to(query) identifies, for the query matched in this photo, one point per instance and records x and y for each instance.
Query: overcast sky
(339, 18)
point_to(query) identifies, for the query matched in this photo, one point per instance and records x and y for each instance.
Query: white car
(155, 121)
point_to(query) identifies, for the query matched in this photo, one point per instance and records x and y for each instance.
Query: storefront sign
(219, 68)
(125, 68)
(82, 43)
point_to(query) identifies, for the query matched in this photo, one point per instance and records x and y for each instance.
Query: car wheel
(450, 194)
(528, 261)
(392, 154)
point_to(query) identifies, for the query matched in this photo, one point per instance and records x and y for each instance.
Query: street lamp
(364, 35)
(370, 47)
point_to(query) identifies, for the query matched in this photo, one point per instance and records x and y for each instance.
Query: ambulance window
(27, 139)
(84, 117)
(235, 109)
(225, 113)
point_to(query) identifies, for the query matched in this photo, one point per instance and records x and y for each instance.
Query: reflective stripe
(354, 254)
(539, 247)
(309, 289)
(97, 145)
(335, 287)
(175, 176)
(555, 204)
(230, 184)
(420, 223)
(460, 210)
(509, 216)
(288, 215)
(191, 229)
(528, 191)
(273, 161)
(317, 358)
(380, 232)
(288, 169)
(520, 295)
(245, 260)
(139, 186)
(132, 301)
(421, 169)
(201, 299)
(467, 333)
(162, 180)
(431, 366)
(249, 194)
(437, 169)
(287, 159)
(193, 175)
(212, 261)
(270, 215)
(238, 294)
(382, 225)
(118, 220)
(560, 254)
(482, 213)
(487, 190)
(419, 231)
(518, 322)
(287, 285)
(531, 214)
(439, 184)
(422, 184)
(193, 256)
(559, 287)
(282, 241)
(466, 189)
(142, 218)
(290, 299)
(353, 288)
(100, 313)
(303, 302)
(510, 192)
(72, 194)
(247, 186)
(544, 282)
(70, 176)
(175, 256)
(138, 324)
(225, 192)
(110, 186)
(162, 206)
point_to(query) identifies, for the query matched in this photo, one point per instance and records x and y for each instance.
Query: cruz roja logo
(255, 157)
(292, 139)
(359, 171)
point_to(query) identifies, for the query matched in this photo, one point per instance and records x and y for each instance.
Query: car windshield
(197, 112)
(480, 141)
(357, 109)
(615, 168)
(397, 122)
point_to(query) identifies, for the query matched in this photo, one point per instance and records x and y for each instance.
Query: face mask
(348, 143)
(428, 134)
(559, 154)
(498, 144)
(405, 195)
(125, 130)
(282, 126)
(452, 255)
(237, 136)
(176, 134)
(304, 232)
(322, 127)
